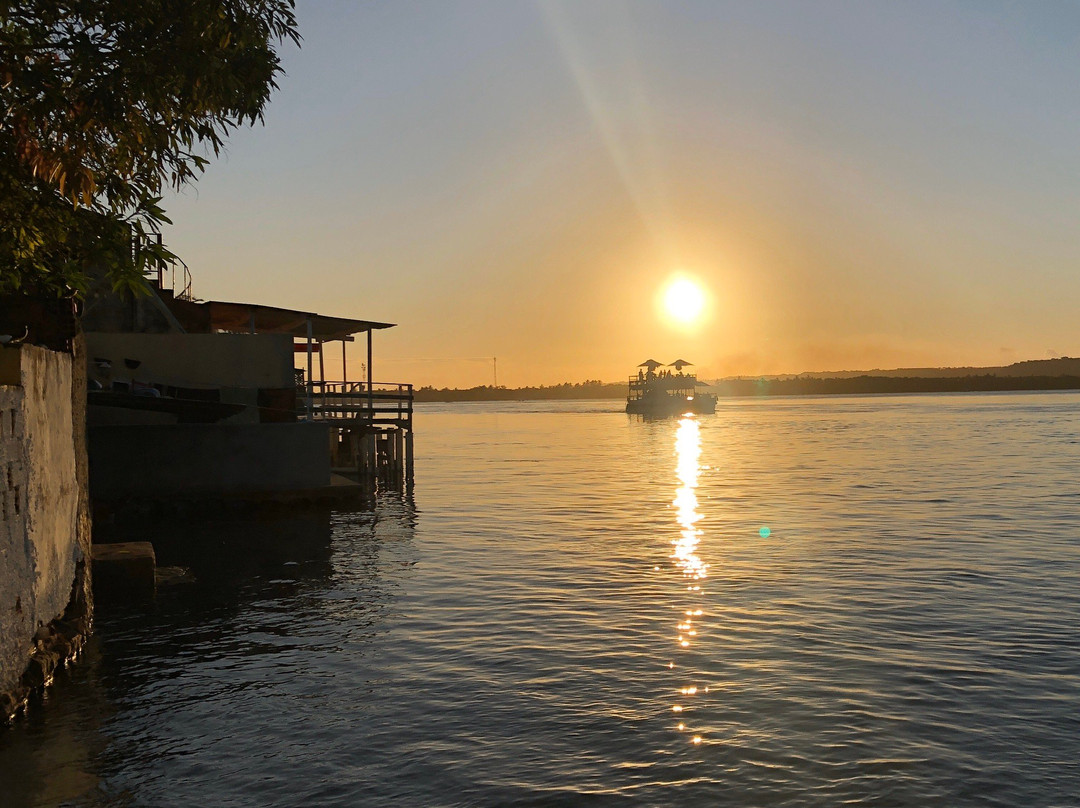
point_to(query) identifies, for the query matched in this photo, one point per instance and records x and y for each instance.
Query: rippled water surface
(835, 601)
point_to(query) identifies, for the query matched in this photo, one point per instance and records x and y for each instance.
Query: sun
(683, 301)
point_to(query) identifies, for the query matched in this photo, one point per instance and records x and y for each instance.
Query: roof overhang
(251, 317)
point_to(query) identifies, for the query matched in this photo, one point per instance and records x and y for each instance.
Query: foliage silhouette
(104, 104)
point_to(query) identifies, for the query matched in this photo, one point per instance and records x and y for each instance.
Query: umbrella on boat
(651, 364)
(679, 364)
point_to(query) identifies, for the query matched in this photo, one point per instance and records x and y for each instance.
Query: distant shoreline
(745, 388)
(987, 383)
(1040, 374)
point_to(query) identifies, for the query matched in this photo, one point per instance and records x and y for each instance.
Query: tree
(103, 104)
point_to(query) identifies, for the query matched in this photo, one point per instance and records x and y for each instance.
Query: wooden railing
(385, 403)
(676, 382)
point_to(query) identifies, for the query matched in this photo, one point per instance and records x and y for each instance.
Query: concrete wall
(183, 459)
(17, 623)
(105, 310)
(194, 360)
(44, 527)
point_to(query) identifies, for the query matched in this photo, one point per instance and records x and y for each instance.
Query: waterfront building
(194, 398)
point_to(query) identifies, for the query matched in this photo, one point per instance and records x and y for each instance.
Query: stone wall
(16, 562)
(44, 522)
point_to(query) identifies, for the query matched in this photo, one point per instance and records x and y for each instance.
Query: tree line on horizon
(741, 388)
(589, 389)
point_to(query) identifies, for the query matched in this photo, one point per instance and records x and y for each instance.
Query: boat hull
(665, 405)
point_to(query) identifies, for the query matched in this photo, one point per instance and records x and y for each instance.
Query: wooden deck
(383, 403)
(372, 434)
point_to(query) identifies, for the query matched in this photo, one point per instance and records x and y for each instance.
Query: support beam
(322, 370)
(370, 398)
(310, 386)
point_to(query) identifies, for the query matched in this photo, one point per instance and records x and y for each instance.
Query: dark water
(847, 601)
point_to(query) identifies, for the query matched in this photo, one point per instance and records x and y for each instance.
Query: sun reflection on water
(687, 561)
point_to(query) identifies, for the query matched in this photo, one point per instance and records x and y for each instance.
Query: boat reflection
(685, 556)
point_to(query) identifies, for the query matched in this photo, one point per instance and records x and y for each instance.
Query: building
(192, 398)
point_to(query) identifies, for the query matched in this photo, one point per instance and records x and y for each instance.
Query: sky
(854, 185)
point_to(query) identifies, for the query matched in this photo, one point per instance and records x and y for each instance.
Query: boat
(667, 393)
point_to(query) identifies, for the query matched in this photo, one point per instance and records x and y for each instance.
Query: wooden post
(399, 452)
(367, 453)
(322, 375)
(370, 398)
(310, 386)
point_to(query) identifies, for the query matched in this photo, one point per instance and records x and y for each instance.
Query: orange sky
(856, 186)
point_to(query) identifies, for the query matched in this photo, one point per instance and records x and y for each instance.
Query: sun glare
(683, 301)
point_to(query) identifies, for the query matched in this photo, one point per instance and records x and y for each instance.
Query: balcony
(382, 404)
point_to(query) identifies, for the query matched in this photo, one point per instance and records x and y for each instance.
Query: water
(817, 602)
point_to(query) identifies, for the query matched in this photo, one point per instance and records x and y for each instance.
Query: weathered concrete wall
(194, 360)
(81, 608)
(52, 492)
(174, 460)
(44, 521)
(16, 560)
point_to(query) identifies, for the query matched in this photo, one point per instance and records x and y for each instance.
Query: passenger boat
(666, 393)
